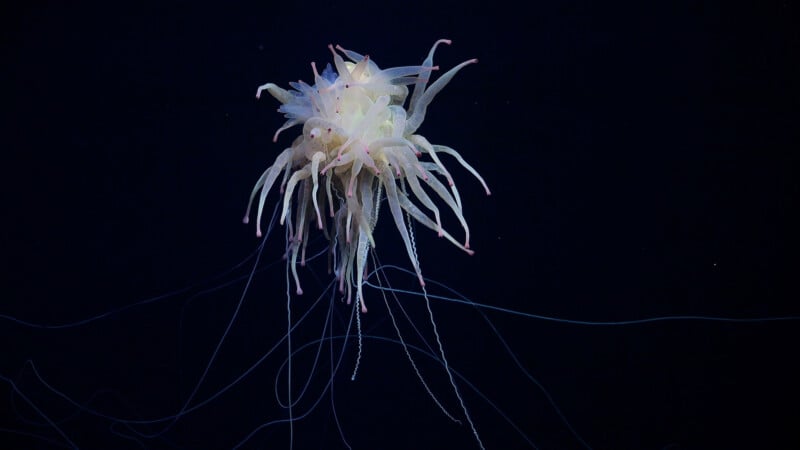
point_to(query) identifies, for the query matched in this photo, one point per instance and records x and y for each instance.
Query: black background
(643, 163)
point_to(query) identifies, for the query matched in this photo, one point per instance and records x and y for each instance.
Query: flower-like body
(358, 144)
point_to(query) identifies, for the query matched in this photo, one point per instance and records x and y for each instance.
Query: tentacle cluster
(359, 142)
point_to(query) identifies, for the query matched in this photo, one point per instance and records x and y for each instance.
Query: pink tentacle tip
(470, 252)
(363, 307)
(246, 220)
(299, 291)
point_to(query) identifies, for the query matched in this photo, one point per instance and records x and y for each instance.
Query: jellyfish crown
(358, 142)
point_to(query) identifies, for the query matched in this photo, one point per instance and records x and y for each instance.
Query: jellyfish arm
(358, 140)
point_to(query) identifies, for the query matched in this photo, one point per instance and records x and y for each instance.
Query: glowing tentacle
(457, 156)
(416, 118)
(394, 206)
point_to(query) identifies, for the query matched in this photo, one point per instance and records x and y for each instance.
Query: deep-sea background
(643, 162)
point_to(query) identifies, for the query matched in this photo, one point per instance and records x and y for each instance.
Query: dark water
(643, 163)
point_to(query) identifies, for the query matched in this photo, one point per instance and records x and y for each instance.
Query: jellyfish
(359, 145)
